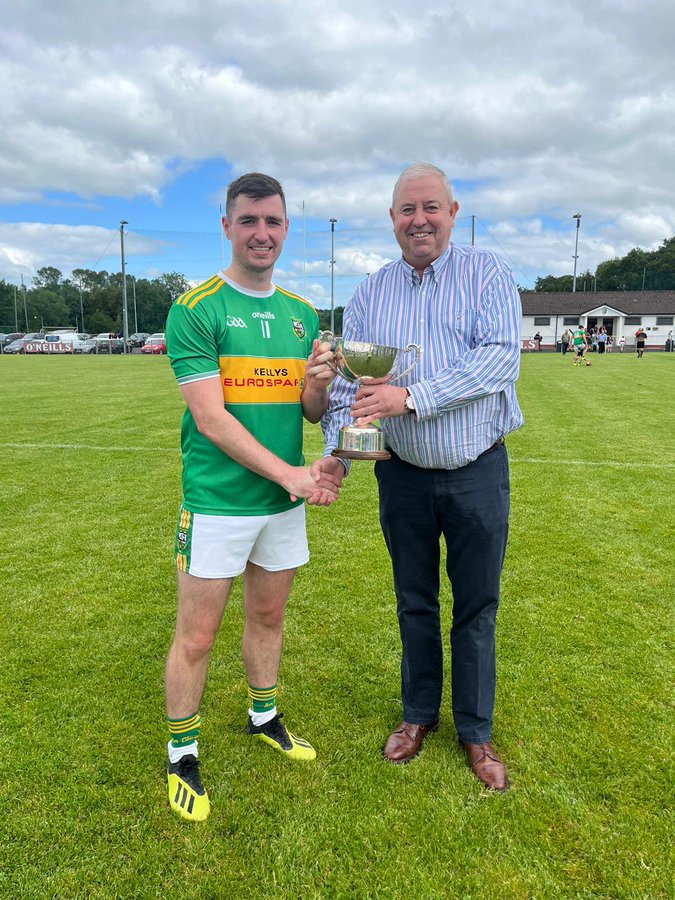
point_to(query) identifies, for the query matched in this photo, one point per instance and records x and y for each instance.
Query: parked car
(19, 345)
(9, 338)
(88, 346)
(109, 345)
(154, 344)
(138, 338)
(16, 346)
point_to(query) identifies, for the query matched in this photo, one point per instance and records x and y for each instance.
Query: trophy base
(361, 454)
(361, 442)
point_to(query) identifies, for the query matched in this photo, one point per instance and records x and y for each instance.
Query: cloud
(26, 247)
(535, 111)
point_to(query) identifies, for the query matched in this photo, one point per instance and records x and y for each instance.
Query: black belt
(497, 443)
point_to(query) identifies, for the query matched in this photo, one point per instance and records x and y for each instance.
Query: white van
(62, 342)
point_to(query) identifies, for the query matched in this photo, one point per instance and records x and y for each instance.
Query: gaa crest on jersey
(182, 540)
(298, 328)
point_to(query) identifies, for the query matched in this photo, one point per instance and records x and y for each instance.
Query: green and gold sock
(184, 731)
(263, 703)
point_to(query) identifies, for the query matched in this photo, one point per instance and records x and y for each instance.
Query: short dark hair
(254, 185)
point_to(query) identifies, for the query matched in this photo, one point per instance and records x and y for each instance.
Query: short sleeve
(192, 343)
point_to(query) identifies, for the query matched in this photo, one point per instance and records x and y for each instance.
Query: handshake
(371, 368)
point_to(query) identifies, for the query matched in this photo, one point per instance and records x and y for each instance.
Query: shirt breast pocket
(460, 326)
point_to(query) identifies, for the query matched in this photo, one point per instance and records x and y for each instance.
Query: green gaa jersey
(256, 344)
(579, 336)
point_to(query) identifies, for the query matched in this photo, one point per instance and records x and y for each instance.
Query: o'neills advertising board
(47, 347)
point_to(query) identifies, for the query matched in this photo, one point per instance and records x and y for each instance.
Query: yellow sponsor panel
(254, 379)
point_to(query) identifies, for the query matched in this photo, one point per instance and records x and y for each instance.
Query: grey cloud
(538, 109)
(27, 246)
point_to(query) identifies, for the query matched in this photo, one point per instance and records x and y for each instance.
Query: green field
(90, 486)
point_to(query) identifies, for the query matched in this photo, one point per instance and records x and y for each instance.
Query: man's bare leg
(201, 604)
(265, 598)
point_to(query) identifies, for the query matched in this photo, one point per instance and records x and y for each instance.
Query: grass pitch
(90, 486)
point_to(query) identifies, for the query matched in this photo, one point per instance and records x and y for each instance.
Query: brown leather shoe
(406, 742)
(487, 766)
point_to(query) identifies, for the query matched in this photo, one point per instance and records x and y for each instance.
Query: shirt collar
(433, 270)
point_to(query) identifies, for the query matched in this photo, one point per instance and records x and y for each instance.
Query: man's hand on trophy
(329, 473)
(320, 370)
(378, 401)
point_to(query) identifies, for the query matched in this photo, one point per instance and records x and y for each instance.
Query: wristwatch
(410, 402)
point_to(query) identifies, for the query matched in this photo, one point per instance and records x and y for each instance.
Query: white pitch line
(94, 447)
(607, 463)
(524, 460)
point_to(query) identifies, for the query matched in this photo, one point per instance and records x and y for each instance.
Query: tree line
(651, 270)
(91, 302)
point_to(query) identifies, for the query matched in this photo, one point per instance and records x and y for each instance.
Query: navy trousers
(469, 507)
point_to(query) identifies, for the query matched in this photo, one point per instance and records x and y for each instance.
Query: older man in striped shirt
(448, 473)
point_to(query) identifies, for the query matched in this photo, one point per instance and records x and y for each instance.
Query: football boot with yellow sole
(187, 794)
(276, 735)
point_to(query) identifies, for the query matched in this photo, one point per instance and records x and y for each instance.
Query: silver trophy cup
(370, 364)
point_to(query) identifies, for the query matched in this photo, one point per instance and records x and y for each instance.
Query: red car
(154, 344)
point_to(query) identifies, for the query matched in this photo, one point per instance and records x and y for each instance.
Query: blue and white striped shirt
(466, 316)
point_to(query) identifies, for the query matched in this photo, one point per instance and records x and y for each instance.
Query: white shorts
(220, 546)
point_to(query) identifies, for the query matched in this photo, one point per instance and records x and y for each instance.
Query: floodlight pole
(25, 305)
(576, 216)
(473, 231)
(304, 253)
(125, 322)
(133, 284)
(332, 275)
(81, 306)
(16, 312)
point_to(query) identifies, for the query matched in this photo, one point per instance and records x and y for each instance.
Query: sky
(144, 111)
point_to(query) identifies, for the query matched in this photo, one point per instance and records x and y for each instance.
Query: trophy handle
(418, 351)
(327, 337)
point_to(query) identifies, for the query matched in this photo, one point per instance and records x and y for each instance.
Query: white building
(621, 312)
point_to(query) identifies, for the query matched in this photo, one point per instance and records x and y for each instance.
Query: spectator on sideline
(580, 345)
(640, 338)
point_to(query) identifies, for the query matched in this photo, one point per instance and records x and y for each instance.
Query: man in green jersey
(248, 360)
(580, 345)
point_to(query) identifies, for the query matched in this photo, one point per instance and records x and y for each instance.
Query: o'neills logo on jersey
(252, 379)
(265, 315)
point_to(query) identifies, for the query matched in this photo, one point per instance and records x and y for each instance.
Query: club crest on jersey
(182, 540)
(298, 328)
